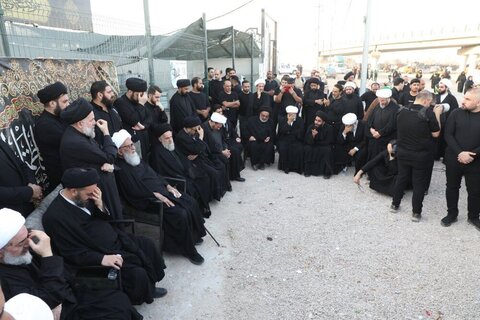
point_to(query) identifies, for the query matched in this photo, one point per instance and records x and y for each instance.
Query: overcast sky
(299, 21)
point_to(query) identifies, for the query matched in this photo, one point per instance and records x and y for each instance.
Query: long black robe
(48, 133)
(346, 143)
(440, 141)
(318, 151)
(310, 108)
(111, 117)
(382, 173)
(79, 151)
(14, 190)
(290, 145)
(236, 148)
(131, 114)
(384, 120)
(181, 106)
(187, 145)
(83, 239)
(261, 152)
(183, 223)
(335, 112)
(158, 117)
(173, 164)
(45, 279)
(352, 104)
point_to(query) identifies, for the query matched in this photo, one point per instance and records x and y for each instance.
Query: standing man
(200, 99)
(444, 96)
(246, 110)
(206, 81)
(416, 125)
(397, 89)
(270, 86)
(156, 110)
(370, 95)
(215, 87)
(408, 96)
(49, 129)
(351, 102)
(181, 105)
(135, 117)
(313, 101)
(462, 134)
(229, 101)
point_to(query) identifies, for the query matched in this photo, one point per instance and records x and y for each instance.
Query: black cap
(76, 111)
(191, 121)
(183, 83)
(314, 80)
(161, 129)
(51, 92)
(136, 84)
(265, 108)
(348, 75)
(80, 178)
(322, 115)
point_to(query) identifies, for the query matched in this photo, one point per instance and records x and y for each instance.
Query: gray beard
(169, 146)
(89, 132)
(132, 159)
(17, 261)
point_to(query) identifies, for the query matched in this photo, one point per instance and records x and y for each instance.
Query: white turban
(350, 84)
(217, 117)
(259, 81)
(291, 109)
(349, 119)
(119, 137)
(11, 222)
(25, 306)
(384, 93)
(446, 82)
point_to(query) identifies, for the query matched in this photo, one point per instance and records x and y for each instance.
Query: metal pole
(366, 39)
(205, 47)
(275, 46)
(3, 31)
(262, 30)
(148, 35)
(251, 60)
(233, 48)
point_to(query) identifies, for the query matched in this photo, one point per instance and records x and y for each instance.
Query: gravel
(308, 248)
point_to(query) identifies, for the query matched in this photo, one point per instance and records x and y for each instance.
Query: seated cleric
(78, 224)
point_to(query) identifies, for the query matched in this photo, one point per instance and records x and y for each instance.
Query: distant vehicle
(286, 68)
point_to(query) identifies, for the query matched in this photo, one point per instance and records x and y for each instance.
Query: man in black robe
(190, 144)
(181, 106)
(229, 100)
(215, 139)
(102, 102)
(382, 123)
(290, 141)
(313, 101)
(319, 141)
(260, 142)
(156, 110)
(78, 223)
(370, 95)
(285, 95)
(444, 96)
(49, 129)
(28, 266)
(200, 99)
(140, 185)
(168, 162)
(246, 109)
(351, 102)
(79, 149)
(335, 109)
(18, 187)
(350, 144)
(135, 116)
(215, 87)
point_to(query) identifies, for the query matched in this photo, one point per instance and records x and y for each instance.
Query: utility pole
(5, 46)
(205, 46)
(366, 41)
(148, 36)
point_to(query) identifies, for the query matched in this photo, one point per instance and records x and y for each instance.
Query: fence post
(205, 47)
(233, 48)
(148, 35)
(3, 31)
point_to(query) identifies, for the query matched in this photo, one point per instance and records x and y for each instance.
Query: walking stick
(218, 244)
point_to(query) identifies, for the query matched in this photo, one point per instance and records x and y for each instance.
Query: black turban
(80, 178)
(348, 75)
(51, 92)
(136, 84)
(322, 115)
(314, 80)
(183, 83)
(191, 121)
(341, 82)
(161, 129)
(265, 108)
(76, 111)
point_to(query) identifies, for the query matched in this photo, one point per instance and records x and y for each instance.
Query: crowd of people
(109, 150)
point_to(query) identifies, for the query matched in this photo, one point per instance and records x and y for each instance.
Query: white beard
(89, 132)
(17, 261)
(169, 146)
(132, 159)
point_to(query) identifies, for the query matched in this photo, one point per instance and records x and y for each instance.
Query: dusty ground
(308, 248)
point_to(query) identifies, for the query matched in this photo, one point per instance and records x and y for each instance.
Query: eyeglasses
(129, 146)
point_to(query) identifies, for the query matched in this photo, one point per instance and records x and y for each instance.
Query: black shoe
(207, 214)
(159, 292)
(416, 217)
(307, 175)
(199, 241)
(239, 179)
(135, 315)
(196, 259)
(394, 208)
(475, 223)
(448, 220)
(254, 167)
(261, 167)
(326, 176)
(426, 192)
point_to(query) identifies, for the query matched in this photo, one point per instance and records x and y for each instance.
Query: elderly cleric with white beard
(140, 185)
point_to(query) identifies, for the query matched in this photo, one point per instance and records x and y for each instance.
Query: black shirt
(246, 103)
(287, 100)
(200, 100)
(462, 132)
(406, 99)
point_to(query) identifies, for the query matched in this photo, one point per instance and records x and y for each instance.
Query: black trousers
(417, 172)
(454, 173)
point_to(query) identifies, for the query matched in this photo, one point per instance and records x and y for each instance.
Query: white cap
(119, 137)
(446, 82)
(11, 222)
(349, 119)
(384, 93)
(217, 117)
(24, 306)
(350, 84)
(259, 81)
(291, 109)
